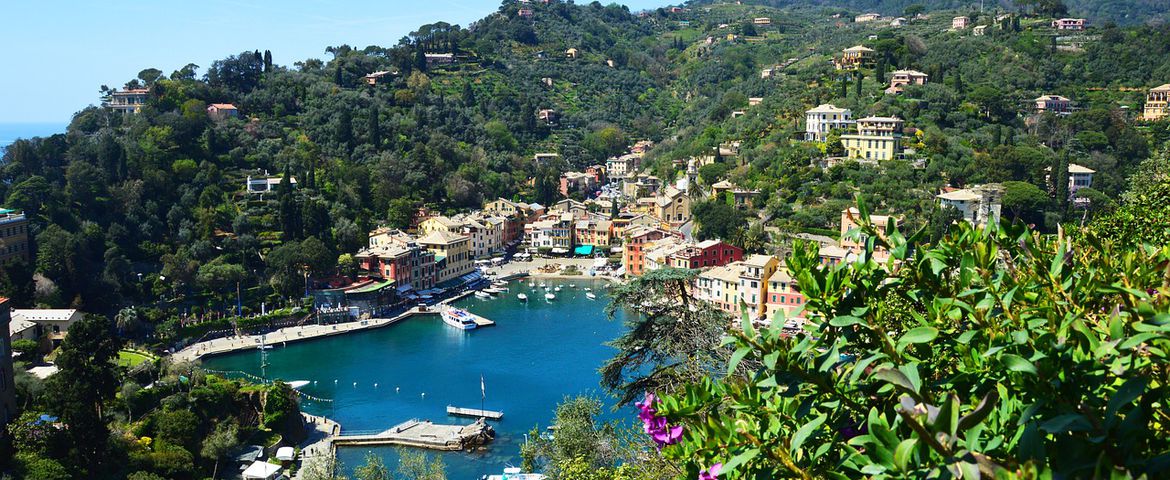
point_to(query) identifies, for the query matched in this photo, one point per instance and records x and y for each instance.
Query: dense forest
(150, 208)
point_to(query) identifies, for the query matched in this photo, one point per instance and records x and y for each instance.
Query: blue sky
(59, 52)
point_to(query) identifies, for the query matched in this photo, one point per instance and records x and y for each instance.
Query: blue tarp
(584, 250)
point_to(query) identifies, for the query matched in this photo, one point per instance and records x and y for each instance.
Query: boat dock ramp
(474, 413)
(423, 434)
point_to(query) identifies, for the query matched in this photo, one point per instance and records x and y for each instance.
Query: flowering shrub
(996, 353)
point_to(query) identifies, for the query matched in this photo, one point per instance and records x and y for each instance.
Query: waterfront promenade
(217, 346)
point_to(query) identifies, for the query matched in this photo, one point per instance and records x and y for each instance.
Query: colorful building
(877, 138)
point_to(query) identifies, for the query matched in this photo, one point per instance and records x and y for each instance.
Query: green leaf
(890, 375)
(805, 431)
(846, 321)
(1017, 363)
(985, 407)
(1068, 422)
(742, 458)
(1129, 391)
(917, 335)
(736, 358)
(903, 453)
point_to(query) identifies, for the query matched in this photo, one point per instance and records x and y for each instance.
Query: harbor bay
(538, 353)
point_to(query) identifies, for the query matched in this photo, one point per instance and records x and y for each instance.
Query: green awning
(584, 250)
(373, 287)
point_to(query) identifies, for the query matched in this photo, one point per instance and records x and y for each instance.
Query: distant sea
(9, 132)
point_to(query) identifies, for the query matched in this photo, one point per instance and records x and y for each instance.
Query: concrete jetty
(474, 413)
(424, 434)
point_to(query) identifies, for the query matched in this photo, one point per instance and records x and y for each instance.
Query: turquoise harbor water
(535, 356)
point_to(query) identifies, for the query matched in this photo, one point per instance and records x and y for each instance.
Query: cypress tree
(958, 83)
(857, 86)
(844, 88)
(345, 130)
(267, 61)
(290, 214)
(337, 75)
(373, 129)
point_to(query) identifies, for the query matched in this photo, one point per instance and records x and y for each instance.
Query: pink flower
(657, 426)
(711, 473)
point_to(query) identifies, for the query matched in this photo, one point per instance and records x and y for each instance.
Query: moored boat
(482, 294)
(550, 297)
(591, 296)
(522, 297)
(458, 318)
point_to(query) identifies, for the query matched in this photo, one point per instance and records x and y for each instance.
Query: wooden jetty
(424, 434)
(474, 413)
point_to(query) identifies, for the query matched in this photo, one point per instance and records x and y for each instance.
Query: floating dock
(424, 434)
(474, 413)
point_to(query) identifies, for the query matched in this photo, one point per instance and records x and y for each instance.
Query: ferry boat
(522, 297)
(550, 297)
(458, 318)
(591, 296)
(482, 294)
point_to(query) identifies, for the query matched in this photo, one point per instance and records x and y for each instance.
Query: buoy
(424, 394)
(354, 384)
(375, 385)
(396, 389)
(335, 381)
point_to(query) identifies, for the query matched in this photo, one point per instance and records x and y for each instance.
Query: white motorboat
(550, 297)
(557, 289)
(572, 285)
(522, 297)
(590, 296)
(493, 291)
(297, 384)
(587, 289)
(542, 285)
(530, 284)
(458, 318)
(482, 294)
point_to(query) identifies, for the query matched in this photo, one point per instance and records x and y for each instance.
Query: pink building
(1053, 103)
(901, 78)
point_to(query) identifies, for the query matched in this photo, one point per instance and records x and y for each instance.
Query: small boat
(572, 285)
(297, 384)
(513, 473)
(557, 289)
(493, 291)
(458, 318)
(587, 289)
(530, 284)
(591, 296)
(482, 294)
(522, 297)
(542, 285)
(263, 347)
(550, 297)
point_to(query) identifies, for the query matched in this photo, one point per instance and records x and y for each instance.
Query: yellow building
(856, 57)
(877, 138)
(1156, 103)
(439, 223)
(452, 254)
(753, 283)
